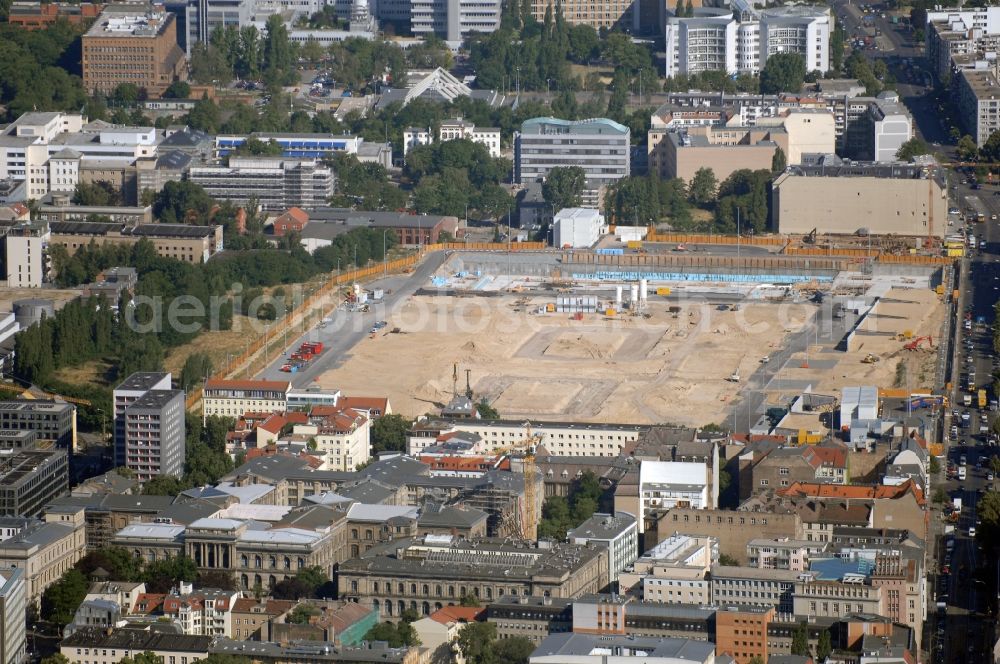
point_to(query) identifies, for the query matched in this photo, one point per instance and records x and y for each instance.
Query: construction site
(653, 336)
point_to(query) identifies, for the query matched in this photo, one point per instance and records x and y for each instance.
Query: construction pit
(685, 358)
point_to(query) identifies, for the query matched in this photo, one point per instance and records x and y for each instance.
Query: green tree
(126, 94)
(800, 640)
(277, 52)
(101, 193)
(61, 599)
(141, 658)
(162, 575)
(727, 561)
(179, 202)
(301, 614)
(389, 433)
(912, 148)
(197, 367)
(397, 636)
(209, 64)
(703, 188)
(468, 600)
(783, 72)
(255, 147)
(779, 161)
(991, 148)
(486, 411)
(564, 186)
(476, 641)
(177, 90)
(56, 658)
(204, 116)
(966, 148)
(824, 645)
(619, 96)
(513, 650)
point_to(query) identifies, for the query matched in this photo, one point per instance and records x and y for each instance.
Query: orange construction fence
(708, 238)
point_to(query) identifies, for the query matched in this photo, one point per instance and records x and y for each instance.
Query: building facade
(154, 434)
(451, 130)
(429, 573)
(129, 47)
(739, 40)
(618, 533)
(27, 252)
(599, 146)
(843, 197)
(979, 103)
(233, 398)
(44, 549)
(277, 183)
(126, 393)
(13, 609)
(192, 244)
(30, 478)
(50, 420)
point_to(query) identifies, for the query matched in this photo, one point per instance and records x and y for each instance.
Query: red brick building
(38, 15)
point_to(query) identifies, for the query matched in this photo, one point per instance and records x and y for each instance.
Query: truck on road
(982, 398)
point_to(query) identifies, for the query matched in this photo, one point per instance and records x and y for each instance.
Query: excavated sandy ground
(548, 366)
(917, 311)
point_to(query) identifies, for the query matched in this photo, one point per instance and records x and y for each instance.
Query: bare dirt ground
(549, 366)
(916, 311)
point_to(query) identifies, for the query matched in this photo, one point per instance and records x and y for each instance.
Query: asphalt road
(967, 634)
(347, 328)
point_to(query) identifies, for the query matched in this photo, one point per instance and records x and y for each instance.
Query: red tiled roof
(378, 404)
(147, 603)
(458, 614)
(859, 492)
(832, 456)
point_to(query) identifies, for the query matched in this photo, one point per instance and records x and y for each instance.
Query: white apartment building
(27, 261)
(48, 149)
(664, 485)
(675, 571)
(125, 394)
(717, 39)
(343, 438)
(451, 130)
(233, 398)
(781, 553)
(733, 586)
(277, 183)
(979, 103)
(618, 533)
(558, 438)
(601, 147)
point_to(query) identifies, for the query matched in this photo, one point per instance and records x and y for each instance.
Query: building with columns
(428, 573)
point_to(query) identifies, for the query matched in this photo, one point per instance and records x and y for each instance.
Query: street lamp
(384, 262)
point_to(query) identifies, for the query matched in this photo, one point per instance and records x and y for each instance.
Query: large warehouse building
(839, 196)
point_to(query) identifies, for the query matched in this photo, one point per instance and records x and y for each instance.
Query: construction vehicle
(913, 345)
(735, 376)
(35, 393)
(810, 238)
(870, 359)
(982, 398)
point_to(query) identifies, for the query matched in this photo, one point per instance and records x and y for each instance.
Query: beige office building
(841, 197)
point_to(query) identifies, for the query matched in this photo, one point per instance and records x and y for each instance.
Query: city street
(348, 328)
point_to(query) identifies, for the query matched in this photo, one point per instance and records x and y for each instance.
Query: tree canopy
(563, 187)
(783, 72)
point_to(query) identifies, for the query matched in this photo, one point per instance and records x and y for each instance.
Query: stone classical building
(43, 549)
(256, 557)
(428, 573)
